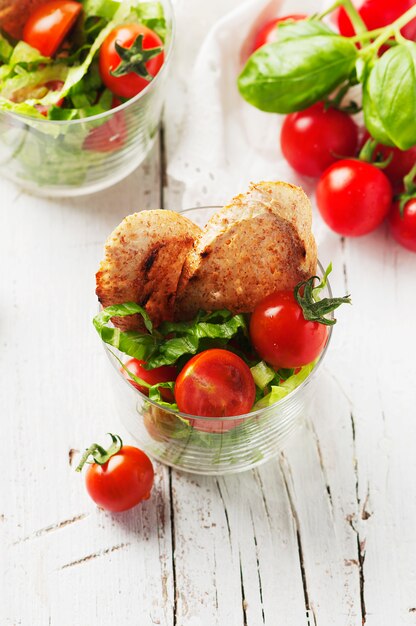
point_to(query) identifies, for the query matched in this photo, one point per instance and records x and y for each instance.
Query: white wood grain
(323, 535)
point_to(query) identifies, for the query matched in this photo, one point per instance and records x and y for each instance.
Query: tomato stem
(368, 154)
(409, 192)
(134, 59)
(315, 310)
(390, 31)
(99, 454)
(356, 19)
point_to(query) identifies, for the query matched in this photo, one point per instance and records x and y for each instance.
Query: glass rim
(120, 107)
(231, 418)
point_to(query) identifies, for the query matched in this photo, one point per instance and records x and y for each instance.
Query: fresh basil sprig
(309, 61)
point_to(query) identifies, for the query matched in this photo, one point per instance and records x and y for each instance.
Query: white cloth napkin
(224, 143)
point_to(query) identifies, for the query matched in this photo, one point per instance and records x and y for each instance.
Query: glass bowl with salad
(81, 91)
(215, 396)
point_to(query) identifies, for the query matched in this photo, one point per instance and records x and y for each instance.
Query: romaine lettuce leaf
(6, 50)
(277, 392)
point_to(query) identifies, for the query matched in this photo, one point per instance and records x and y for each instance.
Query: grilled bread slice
(143, 262)
(260, 243)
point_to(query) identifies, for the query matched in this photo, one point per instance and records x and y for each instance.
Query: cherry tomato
(163, 374)
(282, 336)
(403, 228)
(400, 165)
(313, 139)
(215, 383)
(48, 26)
(353, 197)
(129, 84)
(376, 14)
(268, 33)
(122, 482)
(110, 136)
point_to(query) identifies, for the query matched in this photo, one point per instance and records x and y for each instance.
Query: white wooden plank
(65, 558)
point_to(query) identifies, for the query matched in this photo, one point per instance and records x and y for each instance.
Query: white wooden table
(324, 535)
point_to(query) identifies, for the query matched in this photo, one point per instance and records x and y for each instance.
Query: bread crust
(143, 261)
(260, 243)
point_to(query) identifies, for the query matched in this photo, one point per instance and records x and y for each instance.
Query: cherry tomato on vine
(142, 59)
(48, 26)
(403, 227)
(353, 197)
(268, 33)
(376, 14)
(215, 383)
(163, 374)
(282, 336)
(313, 139)
(400, 165)
(120, 477)
(111, 135)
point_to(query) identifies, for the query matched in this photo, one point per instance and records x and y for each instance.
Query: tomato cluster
(354, 194)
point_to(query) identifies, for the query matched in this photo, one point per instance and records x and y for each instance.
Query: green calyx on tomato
(369, 154)
(134, 59)
(409, 190)
(118, 478)
(130, 57)
(314, 309)
(99, 454)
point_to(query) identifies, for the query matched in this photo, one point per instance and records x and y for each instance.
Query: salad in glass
(218, 390)
(81, 91)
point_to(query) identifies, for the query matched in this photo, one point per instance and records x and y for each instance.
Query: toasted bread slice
(260, 243)
(143, 262)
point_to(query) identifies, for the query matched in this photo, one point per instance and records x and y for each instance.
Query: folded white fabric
(223, 142)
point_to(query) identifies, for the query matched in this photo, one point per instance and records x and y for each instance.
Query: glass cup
(76, 157)
(202, 445)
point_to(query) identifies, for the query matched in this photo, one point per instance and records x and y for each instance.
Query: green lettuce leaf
(6, 50)
(26, 56)
(158, 347)
(277, 392)
(263, 374)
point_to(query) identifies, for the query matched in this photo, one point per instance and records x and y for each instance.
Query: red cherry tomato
(400, 165)
(163, 374)
(403, 228)
(110, 136)
(48, 26)
(282, 336)
(353, 197)
(376, 14)
(129, 84)
(313, 139)
(268, 33)
(215, 383)
(122, 482)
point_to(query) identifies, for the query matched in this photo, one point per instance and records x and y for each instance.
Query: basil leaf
(302, 28)
(291, 75)
(389, 97)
